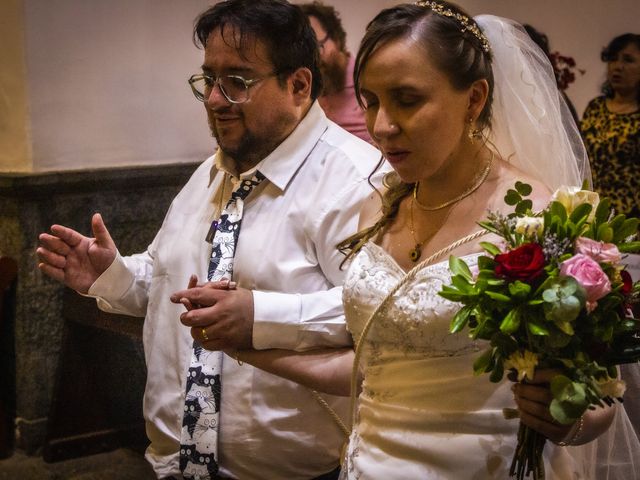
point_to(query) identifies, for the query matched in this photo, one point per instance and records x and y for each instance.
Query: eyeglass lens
(234, 88)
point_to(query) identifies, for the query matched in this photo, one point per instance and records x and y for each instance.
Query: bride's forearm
(326, 370)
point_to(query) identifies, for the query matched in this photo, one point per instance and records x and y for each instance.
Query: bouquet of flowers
(554, 294)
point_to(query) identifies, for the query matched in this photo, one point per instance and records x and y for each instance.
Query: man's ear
(300, 84)
(478, 93)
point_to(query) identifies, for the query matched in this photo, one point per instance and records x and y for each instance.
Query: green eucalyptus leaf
(519, 289)
(551, 295)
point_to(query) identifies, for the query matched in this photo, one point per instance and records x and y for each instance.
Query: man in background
(338, 98)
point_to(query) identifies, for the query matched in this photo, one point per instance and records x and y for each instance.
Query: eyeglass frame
(248, 83)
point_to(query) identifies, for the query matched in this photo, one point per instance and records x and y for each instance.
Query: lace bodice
(417, 319)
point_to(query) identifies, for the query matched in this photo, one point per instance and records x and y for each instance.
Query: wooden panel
(8, 274)
(97, 404)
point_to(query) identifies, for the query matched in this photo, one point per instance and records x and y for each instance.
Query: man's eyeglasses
(234, 87)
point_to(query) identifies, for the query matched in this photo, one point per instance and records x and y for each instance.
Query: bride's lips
(396, 156)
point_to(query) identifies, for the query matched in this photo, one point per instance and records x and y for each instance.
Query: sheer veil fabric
(533, 129)
(532, 126)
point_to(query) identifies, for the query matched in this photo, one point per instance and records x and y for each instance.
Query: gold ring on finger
(203, 331)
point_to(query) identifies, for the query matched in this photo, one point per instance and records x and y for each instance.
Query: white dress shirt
(270, 428)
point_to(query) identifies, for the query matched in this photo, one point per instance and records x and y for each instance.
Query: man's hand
(220, 315)
(73, 259)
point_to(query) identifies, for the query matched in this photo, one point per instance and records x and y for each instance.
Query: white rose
(571, 197)
(530, 226)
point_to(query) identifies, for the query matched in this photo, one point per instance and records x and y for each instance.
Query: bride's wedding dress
(422, 414)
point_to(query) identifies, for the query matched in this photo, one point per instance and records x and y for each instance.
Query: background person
(338, 98)
(611, 127)
(259, 82)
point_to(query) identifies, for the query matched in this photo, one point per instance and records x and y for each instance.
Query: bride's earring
(473, 133)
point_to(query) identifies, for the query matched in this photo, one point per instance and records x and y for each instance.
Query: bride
(461, 110)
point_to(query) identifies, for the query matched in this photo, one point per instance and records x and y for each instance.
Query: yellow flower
(612, 387)
(571, 197)
(524, 362)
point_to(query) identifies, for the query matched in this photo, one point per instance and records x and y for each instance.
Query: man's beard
(250, 149)
(333, 76)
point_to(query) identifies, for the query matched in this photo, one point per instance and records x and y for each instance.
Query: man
(338, 98)
(258, 83)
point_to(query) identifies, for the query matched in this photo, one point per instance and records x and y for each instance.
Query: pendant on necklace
(415, 254)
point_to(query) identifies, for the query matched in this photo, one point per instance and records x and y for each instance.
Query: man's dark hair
(283, 28)
(330, 21)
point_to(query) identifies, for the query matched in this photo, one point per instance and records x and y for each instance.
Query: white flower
(530, 226)
(524, 362)
(571, 197)
(611, 387)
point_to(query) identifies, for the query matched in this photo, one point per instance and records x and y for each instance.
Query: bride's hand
(533, 399)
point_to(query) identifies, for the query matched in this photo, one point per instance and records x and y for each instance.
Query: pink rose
(587, 273)
(599, 251)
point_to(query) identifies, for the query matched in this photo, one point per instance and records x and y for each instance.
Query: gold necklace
(477, 181)
(416, 252)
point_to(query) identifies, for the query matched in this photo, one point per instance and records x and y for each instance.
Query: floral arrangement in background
(564, 68)
(555, 294)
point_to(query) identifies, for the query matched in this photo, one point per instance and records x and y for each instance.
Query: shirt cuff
(276, 320)
(114, 282)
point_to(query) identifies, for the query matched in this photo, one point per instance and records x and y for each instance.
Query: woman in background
(611, 127)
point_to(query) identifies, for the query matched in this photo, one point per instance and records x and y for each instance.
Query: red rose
(523, 263)
(627, 283)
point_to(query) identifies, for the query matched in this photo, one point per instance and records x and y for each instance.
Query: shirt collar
(281, 165)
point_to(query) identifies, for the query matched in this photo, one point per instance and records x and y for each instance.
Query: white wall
(107, 79)
(108, 83)
(576, 28)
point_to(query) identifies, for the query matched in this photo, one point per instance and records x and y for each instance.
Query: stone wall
(132, 201)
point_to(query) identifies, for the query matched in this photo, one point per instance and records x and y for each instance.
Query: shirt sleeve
(123, 288)
(311, 320)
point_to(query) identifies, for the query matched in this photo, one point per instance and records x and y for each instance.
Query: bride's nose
(383, 125)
